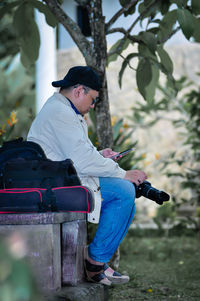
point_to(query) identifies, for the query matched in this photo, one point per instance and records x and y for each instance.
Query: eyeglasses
(95, 101)
(87, 91)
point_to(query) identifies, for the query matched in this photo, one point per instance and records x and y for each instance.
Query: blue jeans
(117, 211)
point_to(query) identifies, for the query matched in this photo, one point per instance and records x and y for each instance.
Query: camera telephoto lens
(145, 189)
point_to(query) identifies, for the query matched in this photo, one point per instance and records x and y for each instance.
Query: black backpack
(29, 182)
(24, 164)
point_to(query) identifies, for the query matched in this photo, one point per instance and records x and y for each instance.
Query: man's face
(86, 100)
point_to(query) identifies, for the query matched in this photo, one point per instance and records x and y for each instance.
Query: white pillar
(46, 63)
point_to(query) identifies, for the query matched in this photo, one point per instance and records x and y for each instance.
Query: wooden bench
(54, 245)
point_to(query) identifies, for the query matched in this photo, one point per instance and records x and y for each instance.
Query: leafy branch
(118, 14)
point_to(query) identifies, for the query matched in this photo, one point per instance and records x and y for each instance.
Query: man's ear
(77, 91)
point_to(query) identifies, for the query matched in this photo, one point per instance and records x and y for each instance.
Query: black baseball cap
(80, 75)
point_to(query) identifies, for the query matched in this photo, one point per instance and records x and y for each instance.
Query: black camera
(145, 189)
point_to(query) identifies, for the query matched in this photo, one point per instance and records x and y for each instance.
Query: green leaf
(30, 44)
(164, 7)
(145, 52)
(186, 21)
(149, 39)
(124, 65)
(165, 59)
(167, 24)
(148, 2)
(143, 75)
(143, 11)
(195, 4)
(125, 137)
(141, 8)
(131, 10)
(8, 7)
(24, 59)
(151, 88)
(117, 49)
(116, 128)
(154, 30)
(18, 21)
(50, 18)
(148, 8)
(28, 34)
(196, 33)
(123, 2)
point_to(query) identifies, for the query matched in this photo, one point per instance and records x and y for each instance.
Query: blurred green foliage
(189, 125)
(20, 28)
(16, 280)
(165, 217)
(17, 92)
(183, 111)
(122, 140)
(8, 43)
(17, 95)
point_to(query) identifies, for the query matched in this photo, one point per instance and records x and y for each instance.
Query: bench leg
(74, 238)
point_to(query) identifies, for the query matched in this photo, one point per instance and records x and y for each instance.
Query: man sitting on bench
(61, 130)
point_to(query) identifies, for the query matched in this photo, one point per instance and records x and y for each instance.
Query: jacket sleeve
(74, 143)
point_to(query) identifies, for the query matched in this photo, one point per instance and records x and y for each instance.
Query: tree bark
(102, 110)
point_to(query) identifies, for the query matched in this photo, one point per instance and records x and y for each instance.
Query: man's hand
(108, 153)
(135, 176)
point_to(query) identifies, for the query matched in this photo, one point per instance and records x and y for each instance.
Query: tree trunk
(102, 110)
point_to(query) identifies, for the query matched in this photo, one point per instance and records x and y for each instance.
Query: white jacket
(64, 134)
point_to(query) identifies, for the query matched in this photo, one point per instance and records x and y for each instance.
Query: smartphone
(124, 153)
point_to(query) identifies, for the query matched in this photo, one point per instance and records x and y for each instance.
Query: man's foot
(95, 270)
(115, 277)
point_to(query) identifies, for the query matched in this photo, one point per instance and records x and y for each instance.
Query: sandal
(113, 276)
(90, 267)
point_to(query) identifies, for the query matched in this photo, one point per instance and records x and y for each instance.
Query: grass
(160, 268)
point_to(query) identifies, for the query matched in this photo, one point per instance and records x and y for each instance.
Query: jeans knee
(128, 192)
(117, 189)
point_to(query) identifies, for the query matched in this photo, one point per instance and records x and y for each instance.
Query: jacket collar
(63, 99)
(74, 108)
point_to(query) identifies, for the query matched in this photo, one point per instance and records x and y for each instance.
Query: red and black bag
(29, 182)
(63, 199)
